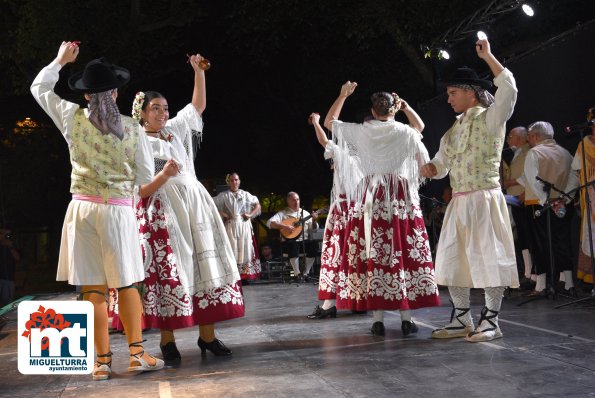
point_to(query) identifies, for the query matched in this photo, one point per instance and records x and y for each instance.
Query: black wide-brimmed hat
(468, 76)
(99, 75)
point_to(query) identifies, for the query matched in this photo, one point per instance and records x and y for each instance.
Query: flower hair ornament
(396, 104)
(137, 105)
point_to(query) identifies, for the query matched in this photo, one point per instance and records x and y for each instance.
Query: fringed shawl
(184, 127)
(388, 153)
(343, 164)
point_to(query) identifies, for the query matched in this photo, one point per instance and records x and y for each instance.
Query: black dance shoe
(378, 329)
(537, 293)
(319, 313)
(526, 283)
(216, 347)
(408, 327)
(571, 292)
(170, 352)
(316, 313)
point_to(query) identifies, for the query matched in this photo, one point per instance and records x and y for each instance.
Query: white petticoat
(476, 247)
(100, 246)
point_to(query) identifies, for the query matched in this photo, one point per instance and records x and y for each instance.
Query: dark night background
(274, 62)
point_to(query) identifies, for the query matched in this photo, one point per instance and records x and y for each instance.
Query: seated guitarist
(287, 221)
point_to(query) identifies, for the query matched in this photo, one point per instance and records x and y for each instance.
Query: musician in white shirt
(293, 247)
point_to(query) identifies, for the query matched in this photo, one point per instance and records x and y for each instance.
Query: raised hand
(483, 49)
(67, 52)
(314, 118)
(348, 88)
(198, 62)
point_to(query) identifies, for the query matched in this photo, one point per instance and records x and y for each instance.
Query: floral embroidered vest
(474, 152)
(102, 165)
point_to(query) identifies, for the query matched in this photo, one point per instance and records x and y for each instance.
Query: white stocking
(568, 282)
(528, 263)
(493, 301)
(378, 315)
(295, 264)
(461, 302)
(493, 296)
(540, 283)
(309, 264)
(328, 304)
(405, 315)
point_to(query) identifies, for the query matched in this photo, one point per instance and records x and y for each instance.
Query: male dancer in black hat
(476, 248)
(109, 156)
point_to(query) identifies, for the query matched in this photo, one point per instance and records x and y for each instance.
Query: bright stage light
(444, 54)
(481, 35)
(527, 9)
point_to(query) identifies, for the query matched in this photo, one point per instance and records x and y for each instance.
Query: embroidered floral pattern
(469, 147)
(332, 244)
(96, 158)
(167, 303)
(391, 268)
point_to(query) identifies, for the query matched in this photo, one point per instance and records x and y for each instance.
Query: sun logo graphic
(55, 337)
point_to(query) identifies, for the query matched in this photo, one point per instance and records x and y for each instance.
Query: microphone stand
(303, 242)
(590, 228)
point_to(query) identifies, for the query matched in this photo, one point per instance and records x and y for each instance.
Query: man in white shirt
(294, 236)
(476, 248)
(547, 161)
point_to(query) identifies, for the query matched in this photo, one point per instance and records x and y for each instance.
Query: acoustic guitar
(297, 224)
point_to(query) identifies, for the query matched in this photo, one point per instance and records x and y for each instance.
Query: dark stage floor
(278, 352)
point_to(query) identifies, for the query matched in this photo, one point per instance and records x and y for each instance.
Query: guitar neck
(305, 219)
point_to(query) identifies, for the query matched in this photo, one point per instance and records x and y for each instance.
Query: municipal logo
(56, 337)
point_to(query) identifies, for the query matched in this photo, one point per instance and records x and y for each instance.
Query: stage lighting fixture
(481, 35)
(527, 9)
(443, 54)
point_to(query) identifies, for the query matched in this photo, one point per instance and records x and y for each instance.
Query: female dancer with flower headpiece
(387, 264)
(238, 207)
(191, 274)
